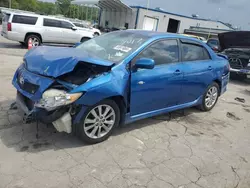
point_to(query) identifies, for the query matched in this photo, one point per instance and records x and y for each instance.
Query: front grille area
(25, 85)
(238, 63)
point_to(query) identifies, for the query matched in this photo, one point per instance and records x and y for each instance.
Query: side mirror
(77, 44)
(145, 63)
(73, 28)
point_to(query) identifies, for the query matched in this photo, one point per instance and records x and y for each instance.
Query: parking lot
(189, 149)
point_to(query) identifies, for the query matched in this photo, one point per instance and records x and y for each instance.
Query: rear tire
(96, 126)
(84, 39)
(35, 40)
(210, 97)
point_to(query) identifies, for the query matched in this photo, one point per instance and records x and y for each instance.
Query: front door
(52, 31)
(158, 88)
(69, 35)
(198, 71)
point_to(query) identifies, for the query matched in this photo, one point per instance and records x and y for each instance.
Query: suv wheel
(35, 40)
(210, 97)
(98, 122)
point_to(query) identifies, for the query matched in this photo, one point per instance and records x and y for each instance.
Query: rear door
(52, 31)
(198, 70)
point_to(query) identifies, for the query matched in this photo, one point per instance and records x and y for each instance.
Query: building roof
(190, 17)
(117, 5)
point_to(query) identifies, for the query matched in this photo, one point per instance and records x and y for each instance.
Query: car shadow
(236, 81)
(22, 137)
(11, 45)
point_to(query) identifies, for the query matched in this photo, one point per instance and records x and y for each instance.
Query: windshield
(113, 46)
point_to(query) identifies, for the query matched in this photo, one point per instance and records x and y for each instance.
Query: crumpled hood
(234, 39)
(56, 61)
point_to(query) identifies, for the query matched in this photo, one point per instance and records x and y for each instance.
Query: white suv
(41, 29)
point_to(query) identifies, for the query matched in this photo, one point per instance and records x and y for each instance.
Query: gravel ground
(190, 150)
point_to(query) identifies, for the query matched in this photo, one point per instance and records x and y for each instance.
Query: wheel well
(85, 38)
(218, 82)
(119, 100)
(37, 34)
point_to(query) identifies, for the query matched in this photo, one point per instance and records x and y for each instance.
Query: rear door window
(193, 52)
(30, 20)
(51, 23)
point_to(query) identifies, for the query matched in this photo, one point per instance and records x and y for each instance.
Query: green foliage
(63, 7)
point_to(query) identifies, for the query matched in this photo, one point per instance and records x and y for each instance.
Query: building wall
(185, 23)
(118, 19)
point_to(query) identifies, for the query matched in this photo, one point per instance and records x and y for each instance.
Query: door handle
(141, 82)
(177, 72)
(210, 68)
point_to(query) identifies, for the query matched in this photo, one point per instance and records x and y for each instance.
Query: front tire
(98, 122)
(210, 97)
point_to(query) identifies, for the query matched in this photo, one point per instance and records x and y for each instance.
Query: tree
(63, 6)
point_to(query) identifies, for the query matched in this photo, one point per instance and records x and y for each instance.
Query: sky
(235, 12)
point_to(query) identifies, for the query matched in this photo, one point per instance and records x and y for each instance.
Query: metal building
(116, 14)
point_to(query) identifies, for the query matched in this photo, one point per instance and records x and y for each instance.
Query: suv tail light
(9, 26)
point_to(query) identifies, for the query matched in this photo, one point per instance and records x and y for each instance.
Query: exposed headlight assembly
(53, 98)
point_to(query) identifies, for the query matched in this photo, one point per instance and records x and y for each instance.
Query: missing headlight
(54, 98)
(83, 72)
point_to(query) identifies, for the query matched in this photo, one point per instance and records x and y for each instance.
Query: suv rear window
(24, 19)
(6, 17)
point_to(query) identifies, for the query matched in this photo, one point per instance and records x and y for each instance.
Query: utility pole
(147, 7)
(9, 3)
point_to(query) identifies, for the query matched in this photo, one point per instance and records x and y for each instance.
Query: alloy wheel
(99, 121)
(211, 97)
(35, 41)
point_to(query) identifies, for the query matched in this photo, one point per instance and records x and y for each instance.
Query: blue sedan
(117, 78)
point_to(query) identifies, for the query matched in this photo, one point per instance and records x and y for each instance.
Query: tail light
(9, 26)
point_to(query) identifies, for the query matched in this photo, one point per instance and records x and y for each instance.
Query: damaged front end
(49, 98)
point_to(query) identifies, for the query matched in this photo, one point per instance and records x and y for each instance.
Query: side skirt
(130, 119)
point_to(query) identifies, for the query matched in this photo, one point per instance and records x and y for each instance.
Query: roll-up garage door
(150, 23)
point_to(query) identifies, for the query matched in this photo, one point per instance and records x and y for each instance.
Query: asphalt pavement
(193, 149)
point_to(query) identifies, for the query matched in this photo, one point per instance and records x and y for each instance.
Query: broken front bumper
(30, 113)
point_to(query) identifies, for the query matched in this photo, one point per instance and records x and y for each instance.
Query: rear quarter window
(29, 20)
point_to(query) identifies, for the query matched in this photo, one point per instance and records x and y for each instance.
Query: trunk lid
(235, 39)
(55, 61)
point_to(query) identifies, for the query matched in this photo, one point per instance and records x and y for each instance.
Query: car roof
(155, 34)
(36, 15)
